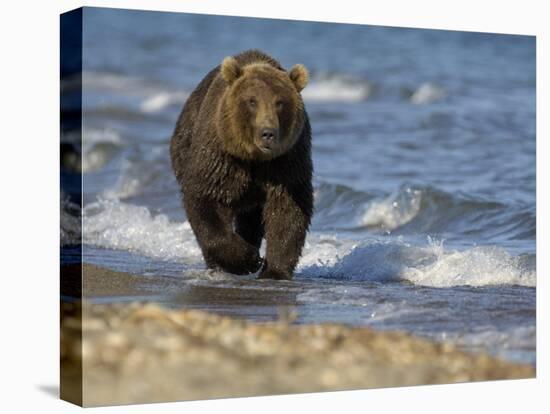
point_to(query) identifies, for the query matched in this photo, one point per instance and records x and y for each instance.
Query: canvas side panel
(71, 205)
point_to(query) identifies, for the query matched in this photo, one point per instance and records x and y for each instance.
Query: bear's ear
(231, 70)
(299, 76)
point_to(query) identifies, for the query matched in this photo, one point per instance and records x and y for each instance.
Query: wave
(416, 209)
(117, 225)
(430, 265)
(161, 100)
(113, 82)
(151, 97)
(98, 147)
(93, 148)
(339, 207)
(427, 93)
(136, 178)
(336, 88)
(409, 210)
(394, 211)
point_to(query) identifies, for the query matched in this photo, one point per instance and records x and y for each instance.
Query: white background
(29, 204)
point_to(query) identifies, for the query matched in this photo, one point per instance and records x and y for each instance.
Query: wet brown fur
(234, 193)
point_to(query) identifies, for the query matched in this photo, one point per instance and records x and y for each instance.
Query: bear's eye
(252, 103)
(279, 105)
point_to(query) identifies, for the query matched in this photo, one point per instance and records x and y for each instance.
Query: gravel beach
(140, 352)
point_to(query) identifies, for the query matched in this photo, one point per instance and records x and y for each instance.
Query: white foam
(429, 265)
(135, 177)
(154, 97)
(324, 250)
(125, 186)
(336, 89)
(116, 225)
(393, 211)
(159, 101)
(97, 145)
(427, 93)
(110, 81)
(92, 136)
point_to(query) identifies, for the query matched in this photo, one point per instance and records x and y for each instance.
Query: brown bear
(241, 152)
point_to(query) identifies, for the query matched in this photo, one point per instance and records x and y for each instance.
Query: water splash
(394, 211)
(116, 225)
(428, 265)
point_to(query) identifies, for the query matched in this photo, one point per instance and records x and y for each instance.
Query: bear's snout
(268, 136)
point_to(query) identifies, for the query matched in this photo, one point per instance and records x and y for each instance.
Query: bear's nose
(269, 135)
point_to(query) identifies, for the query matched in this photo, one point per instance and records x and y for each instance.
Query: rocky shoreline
(140, 352)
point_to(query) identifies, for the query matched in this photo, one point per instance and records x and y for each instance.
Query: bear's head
(261, 114)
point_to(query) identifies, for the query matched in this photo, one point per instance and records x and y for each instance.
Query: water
(424, 157)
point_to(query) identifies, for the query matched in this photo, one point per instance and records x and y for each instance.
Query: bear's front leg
(286, 221)
(249, 226)
(221, 247)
